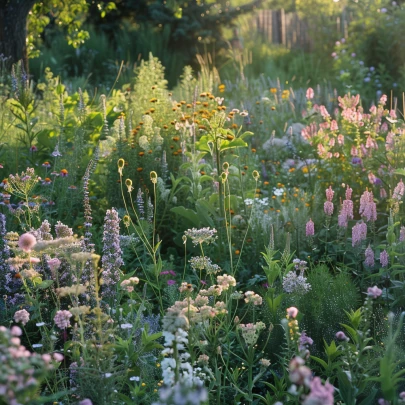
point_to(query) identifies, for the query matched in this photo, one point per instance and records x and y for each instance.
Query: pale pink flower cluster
(128, 284)
(62, 319)
(320, 394)
(300, 374)
(22, 317)
(186, 287)
(226, 281)
(374, 292)
(21, 370)
(359, 233)
(213, 291)
(368, 208)
(253, 298)
(250, 332)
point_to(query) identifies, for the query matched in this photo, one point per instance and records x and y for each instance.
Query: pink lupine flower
(368, 208)
(354, 151)
(310, 228)
(334, 126)
(348, 193)
(320, 394)
(369, 255)
(402, 234)
(328, 208)
(329, 193)
(399, 191)
(359, 233)
(310, 93)
(324, 111)
(390, 141)
(384, 258)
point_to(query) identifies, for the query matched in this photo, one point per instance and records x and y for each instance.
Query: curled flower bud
(256, 175)
(153, 177)
(121, 164)
(126, 220)
(224, 177)
(225, 166)
(128, 183)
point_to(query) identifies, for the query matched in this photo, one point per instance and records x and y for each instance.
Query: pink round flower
(292, 312)
(374, 292)
(22, 316)
(62, 319)
(26, 242)
(86, 402)
(58, 357)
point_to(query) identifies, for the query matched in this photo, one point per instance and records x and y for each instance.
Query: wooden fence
(288, 29)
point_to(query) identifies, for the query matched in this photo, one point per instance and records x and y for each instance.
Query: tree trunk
(13, 30)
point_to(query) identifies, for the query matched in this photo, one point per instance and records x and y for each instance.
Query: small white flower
(107, 375)
(126, 326)
(134, 378)
(37, 345)
(40, 324)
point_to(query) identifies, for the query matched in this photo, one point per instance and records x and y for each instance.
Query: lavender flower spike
(111, 260)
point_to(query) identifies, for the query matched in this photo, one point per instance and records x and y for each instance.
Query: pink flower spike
(309, 228)
(310, 93)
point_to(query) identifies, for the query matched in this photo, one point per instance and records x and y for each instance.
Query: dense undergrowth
(230, 242)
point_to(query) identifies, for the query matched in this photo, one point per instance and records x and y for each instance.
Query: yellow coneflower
(176, 138)
(221, 88)
(273, 90)
(230, 137)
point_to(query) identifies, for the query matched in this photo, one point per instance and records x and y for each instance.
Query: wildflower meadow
(222, 237)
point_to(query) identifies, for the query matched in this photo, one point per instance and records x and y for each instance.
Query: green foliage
(324, 305)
